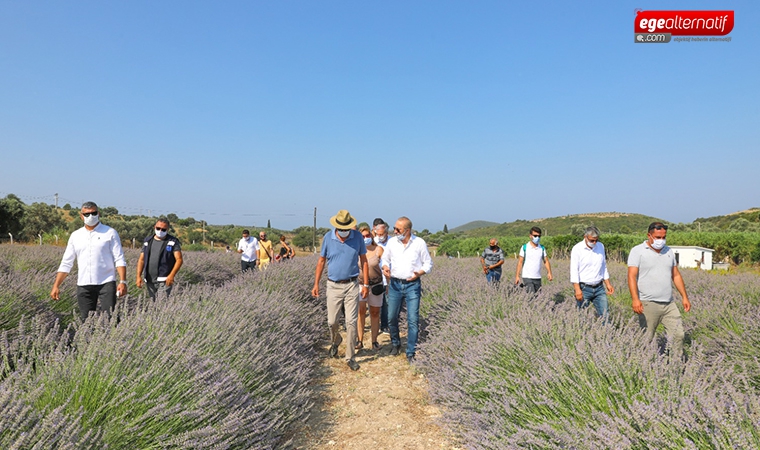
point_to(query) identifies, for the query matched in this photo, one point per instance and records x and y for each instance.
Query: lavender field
(226, 362)
(229, 361)
(511, 371)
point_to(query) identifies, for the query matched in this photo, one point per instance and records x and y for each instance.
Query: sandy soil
(383, 405)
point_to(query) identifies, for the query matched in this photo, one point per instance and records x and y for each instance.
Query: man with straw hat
(344, 252)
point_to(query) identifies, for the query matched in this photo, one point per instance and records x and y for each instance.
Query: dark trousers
(247, 265)
(532, 285)
(88, 296)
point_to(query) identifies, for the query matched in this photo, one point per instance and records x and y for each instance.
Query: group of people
(259, 252)
(365, 267)
(97, 250)
(652, 271)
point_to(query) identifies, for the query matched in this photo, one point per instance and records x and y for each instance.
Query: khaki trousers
(670, 317)
(338, 295)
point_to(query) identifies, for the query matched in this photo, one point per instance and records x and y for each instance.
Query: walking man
(345, 254)
(266, 254)
(492, 259)
(529, 262)
(160, 260)
(100, 257)
(589, 275)
(249, 247)
(651, 270)
(380, 230)
(405, 260)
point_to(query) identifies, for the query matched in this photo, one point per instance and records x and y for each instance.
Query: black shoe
(376, 346)
(395, 350)
(410, 358)
(333, 351)
(353, 365)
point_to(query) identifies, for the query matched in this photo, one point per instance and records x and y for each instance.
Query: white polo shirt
(250, 248)
(533, 257)
(405, 260)
(98, 253)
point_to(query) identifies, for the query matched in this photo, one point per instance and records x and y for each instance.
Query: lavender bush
(513, 371)
(214, 366)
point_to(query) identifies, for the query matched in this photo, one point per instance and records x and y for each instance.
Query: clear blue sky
(247, 111)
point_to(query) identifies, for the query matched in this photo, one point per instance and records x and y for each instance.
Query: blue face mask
(400, 237)
(536, 239)
(368, 241)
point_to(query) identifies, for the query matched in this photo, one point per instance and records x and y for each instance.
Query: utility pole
(203, 229)
(314, 232)
(56, 200)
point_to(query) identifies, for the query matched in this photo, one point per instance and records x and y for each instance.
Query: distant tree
(269, 224)
(67, 207)
(741, 224)
(578, 229)
(41, 218)
(173, 218)
(303, 239)
(445, 228)
(11, 213)
(108, 211)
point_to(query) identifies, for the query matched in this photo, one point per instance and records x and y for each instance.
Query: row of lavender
(218, 365)
(512, 371)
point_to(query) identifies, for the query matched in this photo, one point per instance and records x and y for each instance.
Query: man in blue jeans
(589, 275)
(405, 260)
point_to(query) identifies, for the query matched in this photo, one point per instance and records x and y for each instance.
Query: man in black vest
(160, 260)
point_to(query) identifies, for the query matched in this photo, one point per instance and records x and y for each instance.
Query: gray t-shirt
(155, 255)
(655, 272)
(492, 257)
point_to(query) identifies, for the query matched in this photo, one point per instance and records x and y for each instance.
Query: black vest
(165, 262)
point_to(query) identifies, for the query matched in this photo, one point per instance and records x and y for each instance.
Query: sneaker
(333, 351)
(410, 358)
(385, 331)
(395, 350)
(353, 365)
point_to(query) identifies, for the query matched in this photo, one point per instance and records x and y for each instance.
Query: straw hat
(343, 220)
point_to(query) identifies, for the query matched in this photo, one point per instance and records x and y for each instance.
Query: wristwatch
(123, 282)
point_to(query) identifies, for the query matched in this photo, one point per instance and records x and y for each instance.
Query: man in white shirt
(529, 262)
(405, 260)
(589, 275)
(380, 231)
(249, 247)
(99, 256)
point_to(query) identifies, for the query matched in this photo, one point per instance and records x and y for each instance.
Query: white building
(693, 256)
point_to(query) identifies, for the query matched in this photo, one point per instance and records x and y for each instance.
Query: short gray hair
(89, 205)
(592, 231)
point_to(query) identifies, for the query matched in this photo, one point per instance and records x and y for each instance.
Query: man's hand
(517, 281)
(121, 290)
(139, 282)
(638, 307)
(578, 294)
(686, 304)
(387, 272)
(315, 291)
(169, 280)
(610, 289)
(549, 276)
(54, 293)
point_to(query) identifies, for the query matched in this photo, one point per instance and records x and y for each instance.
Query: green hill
(738, 221)
(473, 225)
(607, 222)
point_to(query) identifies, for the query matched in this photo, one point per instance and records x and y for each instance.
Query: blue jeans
(597, 296)
(398, 291)
(493, 276)
(384, 312)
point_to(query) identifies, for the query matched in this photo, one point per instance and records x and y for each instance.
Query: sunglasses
(161, 229)
(593, 240)
(397, 230)
(659, 227)
(90, 214)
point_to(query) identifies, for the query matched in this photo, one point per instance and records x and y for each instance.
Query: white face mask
(658, 244)
(381, 238)
(344, 233)
(160, 234)
(590, 244)
(92, 220)
(401, 237)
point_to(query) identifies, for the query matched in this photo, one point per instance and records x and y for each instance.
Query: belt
(346, 281)
(399, 280)
(592, 285)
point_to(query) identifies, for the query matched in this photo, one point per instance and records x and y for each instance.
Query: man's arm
(548, 269)
(575, 276)
(633, 287)
(121, 288)
(681, 287)
(175, 269)
(318, 276)
(519, 269)
(483, 263)
(139, 270)
(364, 274)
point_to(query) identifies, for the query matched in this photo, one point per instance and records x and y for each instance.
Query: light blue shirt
(343, 257)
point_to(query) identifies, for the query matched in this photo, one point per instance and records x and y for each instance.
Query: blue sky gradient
(446, 112)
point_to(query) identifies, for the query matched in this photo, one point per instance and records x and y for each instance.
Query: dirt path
(383, 405)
